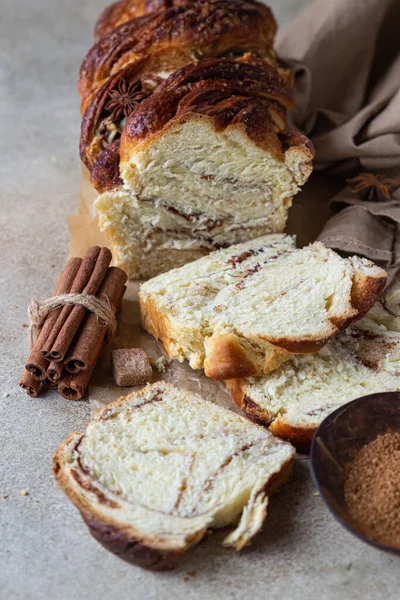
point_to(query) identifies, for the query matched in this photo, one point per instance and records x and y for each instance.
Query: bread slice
(248, 308)
(294, 399)
(155, 470)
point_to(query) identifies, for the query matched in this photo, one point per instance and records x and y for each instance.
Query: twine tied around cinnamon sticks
(38, 311)
(70, 329)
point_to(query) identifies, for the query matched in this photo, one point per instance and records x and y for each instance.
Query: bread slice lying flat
(294, 399)
(155, 470)
(248, 308)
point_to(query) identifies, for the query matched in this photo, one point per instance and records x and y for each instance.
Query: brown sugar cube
(131, 366)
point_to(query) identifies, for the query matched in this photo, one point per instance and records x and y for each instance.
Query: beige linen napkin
(346, 59)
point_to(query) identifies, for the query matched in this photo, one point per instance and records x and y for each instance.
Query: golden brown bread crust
(118, 542)
(301, 437)
(122, 545)
(101, 125)
(157, 324)
(229, 351)
(227, 358)
(177, 36)
(248, 92)
(364, 292)
(123, 540)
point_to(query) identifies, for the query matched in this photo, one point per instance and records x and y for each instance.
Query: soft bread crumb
(191, 191)
(362, 360)
(170, 466)
(252, 519)
(161, 364)
(248, 308)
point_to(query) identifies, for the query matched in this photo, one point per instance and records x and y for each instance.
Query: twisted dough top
(178, 36)
(124, 10)
(119, 12)
(230, 91)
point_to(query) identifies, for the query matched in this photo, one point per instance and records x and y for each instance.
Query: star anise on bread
(124, 99)
(374, 188)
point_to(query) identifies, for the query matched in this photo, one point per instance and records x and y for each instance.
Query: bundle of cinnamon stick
(71, 337)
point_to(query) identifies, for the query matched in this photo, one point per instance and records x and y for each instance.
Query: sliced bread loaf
(185, 130)
(206, 162)
(294, 399)
(155, 470)
(248, 308)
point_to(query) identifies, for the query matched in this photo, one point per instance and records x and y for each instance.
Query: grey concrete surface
(45, 552)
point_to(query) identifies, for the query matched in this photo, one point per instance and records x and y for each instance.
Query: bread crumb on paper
(161, 364)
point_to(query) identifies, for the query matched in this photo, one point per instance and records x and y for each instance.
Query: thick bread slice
(294, 399)
(155, 470)
(248, 308)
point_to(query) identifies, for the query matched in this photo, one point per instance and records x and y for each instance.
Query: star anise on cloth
(124, 99)
(373, 188)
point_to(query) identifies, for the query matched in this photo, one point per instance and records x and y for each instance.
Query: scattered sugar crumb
(315, 493)
(24, 493)
(24, 325)
(5, 496)
(5, 395)
(191, 573)
(161, 363)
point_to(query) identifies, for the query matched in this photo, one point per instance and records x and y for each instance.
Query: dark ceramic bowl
(338, 439)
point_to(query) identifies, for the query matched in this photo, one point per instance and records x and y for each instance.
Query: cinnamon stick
(52, 385)
(29, 384)
(81, 278)
(73, 315)
(54, 371)
(36, 363)
(84, 351)
(74, 386)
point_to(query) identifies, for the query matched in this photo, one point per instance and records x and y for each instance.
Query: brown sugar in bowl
(336, 443)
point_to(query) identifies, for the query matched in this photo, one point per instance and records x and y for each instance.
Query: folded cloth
(366, 228)
(347, 93)
(346, 59)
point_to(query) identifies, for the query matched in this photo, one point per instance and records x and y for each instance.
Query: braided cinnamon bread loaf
(184, 131)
